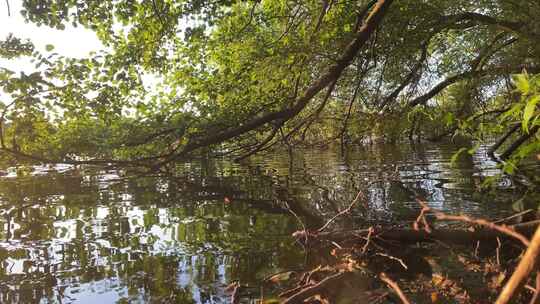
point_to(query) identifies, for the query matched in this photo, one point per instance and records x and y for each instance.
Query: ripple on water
(83, 235)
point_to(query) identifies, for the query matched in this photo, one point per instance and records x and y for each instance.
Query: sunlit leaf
(528, 111)
(522, 83)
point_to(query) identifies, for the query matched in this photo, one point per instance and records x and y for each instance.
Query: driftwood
(408, 235)
(480, 230)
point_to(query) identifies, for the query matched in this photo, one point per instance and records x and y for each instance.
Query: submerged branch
(312, 290)
(394, 286)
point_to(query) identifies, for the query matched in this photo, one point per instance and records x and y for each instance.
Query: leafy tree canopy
(241, 76)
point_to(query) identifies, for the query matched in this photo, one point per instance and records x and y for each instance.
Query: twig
(368, 238)
(304, 230)
(481, 222)
(530, 288)
(269, 277)
(235, 297)
(393, 258)
(309, 291)
(394, 286)
(309, 275)
(379, 298)
(498, 251)
(337, 245)
(289, 292)
(506, 219)
(251, 15)
(536, 296)
(8, 9)
(344, 211)
(526, 265)
(422, 219)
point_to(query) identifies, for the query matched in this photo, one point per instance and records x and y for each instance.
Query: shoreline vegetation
(233, 79)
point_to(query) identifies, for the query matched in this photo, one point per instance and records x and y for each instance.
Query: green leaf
(49, 47)
(449, 118)
(473, 150)
(509, 167)
(522, 83)
(456, 155)
(528, 112)
(513, 112)
(518, 205)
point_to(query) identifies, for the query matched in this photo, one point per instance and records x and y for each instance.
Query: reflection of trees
(153, 239)
(174, 238)
(328, 181)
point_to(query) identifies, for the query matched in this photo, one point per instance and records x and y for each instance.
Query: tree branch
(331, 75)
(528, 262)
(420, 100)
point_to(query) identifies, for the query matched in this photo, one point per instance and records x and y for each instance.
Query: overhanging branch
(420, 100)
(331, 75)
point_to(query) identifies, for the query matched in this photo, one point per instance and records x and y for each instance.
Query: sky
(71, 42)
(76, 42)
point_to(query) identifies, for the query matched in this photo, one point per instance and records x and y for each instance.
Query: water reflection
(83, 235)
(98, 237)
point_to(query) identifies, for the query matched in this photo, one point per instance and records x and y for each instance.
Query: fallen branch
(409, 236)
(508, 230)
(333, 73)
(400, 261)
(342, 212)
(527, 263)
(394, 286)
(480, 222)
(312, 290)
(516, 144)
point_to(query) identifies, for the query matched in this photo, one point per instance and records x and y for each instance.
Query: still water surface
(83, 235)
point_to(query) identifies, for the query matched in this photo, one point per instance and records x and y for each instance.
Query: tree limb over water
(247, 72)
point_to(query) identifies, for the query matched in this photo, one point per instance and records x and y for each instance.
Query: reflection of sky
(105, 246)
(104, 237)
(104, 291)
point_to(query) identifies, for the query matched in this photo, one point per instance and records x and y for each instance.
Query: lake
(87, 235)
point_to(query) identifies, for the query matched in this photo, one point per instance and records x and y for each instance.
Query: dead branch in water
(312, 290)
(480, 222)
(342, 212)
(423, 231)
(394, 286)
(411, 236)
(526, 265)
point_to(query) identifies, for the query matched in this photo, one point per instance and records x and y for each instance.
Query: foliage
(243, 76)
(527, 114)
